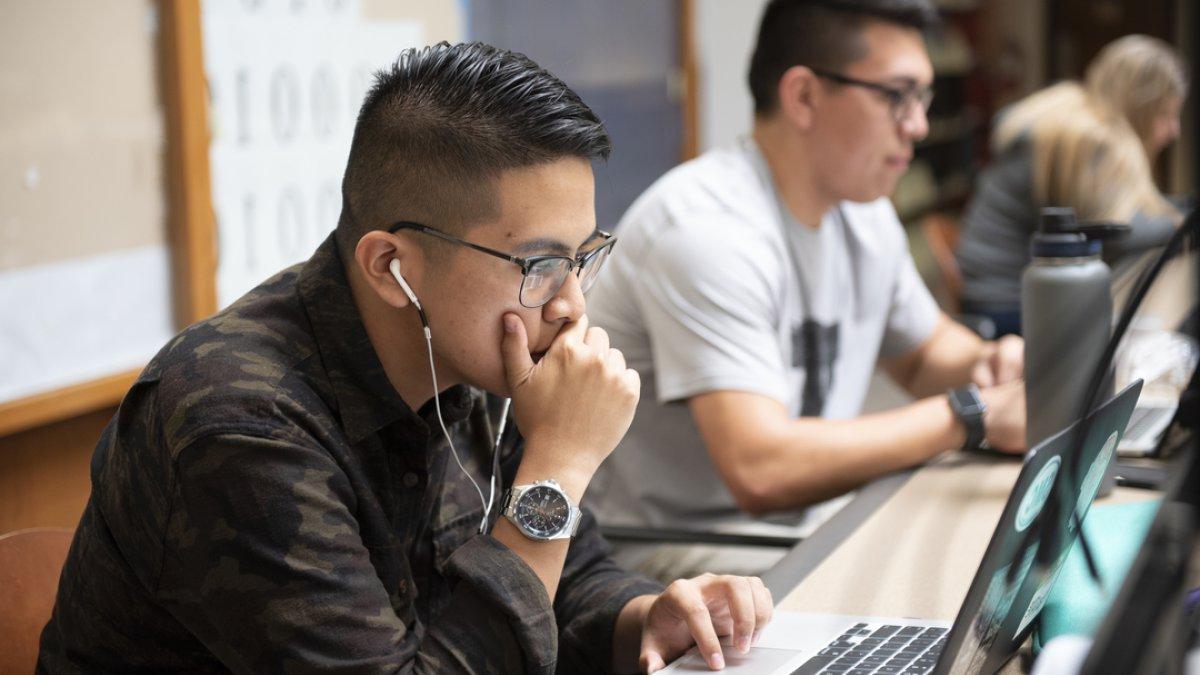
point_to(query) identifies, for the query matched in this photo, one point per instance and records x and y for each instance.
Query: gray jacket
(1001, 217)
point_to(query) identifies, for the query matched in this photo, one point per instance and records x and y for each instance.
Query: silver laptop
(1150, 419)
(1007, 594)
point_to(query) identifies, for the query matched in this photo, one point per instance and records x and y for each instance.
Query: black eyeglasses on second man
(900, 99)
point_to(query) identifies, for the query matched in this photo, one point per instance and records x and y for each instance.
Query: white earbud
(394, 267)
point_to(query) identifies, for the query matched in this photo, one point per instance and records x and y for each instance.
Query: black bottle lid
(1059, 235)
(1057, 219)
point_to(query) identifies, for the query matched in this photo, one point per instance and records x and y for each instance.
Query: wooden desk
(907, 546)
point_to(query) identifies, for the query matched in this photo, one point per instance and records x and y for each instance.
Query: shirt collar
(366, 400)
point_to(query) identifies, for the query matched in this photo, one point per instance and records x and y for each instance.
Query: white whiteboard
(286, 79)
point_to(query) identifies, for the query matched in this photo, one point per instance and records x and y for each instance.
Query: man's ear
(373, 257)
(798, 96)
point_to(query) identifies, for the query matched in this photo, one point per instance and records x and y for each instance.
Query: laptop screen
(1015, 578)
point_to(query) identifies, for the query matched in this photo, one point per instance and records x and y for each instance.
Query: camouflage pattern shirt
(264, 501)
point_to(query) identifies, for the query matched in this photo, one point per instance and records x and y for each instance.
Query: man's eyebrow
(544, 245)
(906, 82)
(549, 246)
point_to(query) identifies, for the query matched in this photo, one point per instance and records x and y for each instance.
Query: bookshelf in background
(932, 194)
(946, 161)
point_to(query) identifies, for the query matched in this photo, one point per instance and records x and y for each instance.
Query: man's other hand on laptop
(699, 612)
(1001, 362)
(1004, 420)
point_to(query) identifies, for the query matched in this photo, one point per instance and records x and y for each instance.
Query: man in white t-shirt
(757, 287)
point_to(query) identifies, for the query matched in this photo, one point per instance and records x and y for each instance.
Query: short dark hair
(820, 34)
(442, 123)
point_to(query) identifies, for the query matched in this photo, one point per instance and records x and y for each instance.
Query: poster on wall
(286, 79)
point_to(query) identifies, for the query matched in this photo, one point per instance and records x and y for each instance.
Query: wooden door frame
(691, 81)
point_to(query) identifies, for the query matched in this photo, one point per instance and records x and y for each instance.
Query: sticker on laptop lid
(1038, 602)
(1037, 494)
(1095, 474)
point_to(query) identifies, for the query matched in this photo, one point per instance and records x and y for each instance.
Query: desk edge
(793, 568)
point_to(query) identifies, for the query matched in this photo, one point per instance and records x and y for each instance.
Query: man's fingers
(597, 339)
(514, 347)
(633, 380)
(1010, 359)
(651, 661)
(1005, 417)
(982, 374)
(575, 331)
(1006, 372)
(690, 605)
(740, 597)
(764, 607)
(616, 360)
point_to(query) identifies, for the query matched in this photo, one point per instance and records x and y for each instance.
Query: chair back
(941, 234)
(30, 564)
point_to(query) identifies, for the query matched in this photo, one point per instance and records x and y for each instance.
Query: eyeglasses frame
(898, 97)
(525, 263)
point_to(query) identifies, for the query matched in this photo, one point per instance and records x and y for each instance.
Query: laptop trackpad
(759, 660)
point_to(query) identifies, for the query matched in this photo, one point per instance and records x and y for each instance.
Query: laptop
(1006, 596)
(1149, 421)
(1147, 625)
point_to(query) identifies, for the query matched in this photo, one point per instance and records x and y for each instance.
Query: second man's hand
(1001, 362)
(1004, 420)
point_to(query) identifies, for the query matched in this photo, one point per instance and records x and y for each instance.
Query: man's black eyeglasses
(544, 275)
(901, 99)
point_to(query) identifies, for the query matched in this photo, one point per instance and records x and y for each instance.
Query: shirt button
(410, 479)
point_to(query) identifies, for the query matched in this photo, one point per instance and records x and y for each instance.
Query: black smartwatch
(968, 407)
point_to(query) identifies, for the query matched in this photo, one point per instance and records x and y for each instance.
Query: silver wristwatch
(541, 511)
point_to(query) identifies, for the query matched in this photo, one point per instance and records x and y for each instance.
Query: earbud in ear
(394, 267)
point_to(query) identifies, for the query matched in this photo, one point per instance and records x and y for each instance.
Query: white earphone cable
(495, 454)
(394, 267)
(437, 404)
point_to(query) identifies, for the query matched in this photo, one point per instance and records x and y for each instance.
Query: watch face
(543, 511)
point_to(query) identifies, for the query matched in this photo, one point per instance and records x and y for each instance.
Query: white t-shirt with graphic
(708, 289)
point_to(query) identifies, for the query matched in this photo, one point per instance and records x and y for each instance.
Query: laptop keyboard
(877, 648)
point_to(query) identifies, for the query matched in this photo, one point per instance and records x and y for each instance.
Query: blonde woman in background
(1087, 145)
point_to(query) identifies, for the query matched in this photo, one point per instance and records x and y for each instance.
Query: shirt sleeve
(913, 313)
(264, 564)
(711, 305)
(592, 592)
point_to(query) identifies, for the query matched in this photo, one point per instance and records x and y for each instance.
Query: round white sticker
(1038, 602)
(1037, 494)
(1095, 474)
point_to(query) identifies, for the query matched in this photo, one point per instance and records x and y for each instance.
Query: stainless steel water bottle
(1066, 319)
